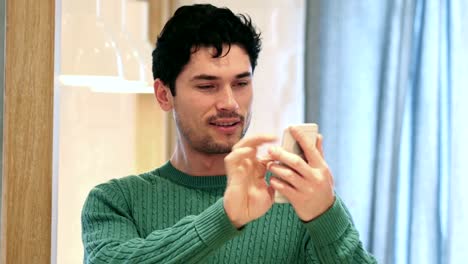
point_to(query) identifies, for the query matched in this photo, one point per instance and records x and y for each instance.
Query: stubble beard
(206, 143)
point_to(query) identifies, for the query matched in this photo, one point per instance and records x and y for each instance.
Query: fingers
(255, 141)
(240, 153)
(285, 189)
(265, 160)
(289, 159)
(287, 175)
(309, 146)
(319, 145)
(243, 162)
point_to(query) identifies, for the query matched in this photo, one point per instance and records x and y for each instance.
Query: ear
(163, 95)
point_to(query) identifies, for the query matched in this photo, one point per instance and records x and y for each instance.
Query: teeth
(225, 124)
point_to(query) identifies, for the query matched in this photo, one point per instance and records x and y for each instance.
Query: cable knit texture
(166, 216)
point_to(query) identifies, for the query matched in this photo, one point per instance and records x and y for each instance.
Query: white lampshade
(93, 56)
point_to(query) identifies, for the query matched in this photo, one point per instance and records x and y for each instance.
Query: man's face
(212, 106)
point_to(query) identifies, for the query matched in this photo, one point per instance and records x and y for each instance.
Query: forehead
(231, 62)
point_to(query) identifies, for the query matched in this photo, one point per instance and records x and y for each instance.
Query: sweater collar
(169, 172)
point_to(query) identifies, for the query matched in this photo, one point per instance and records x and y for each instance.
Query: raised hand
(307, 184)
(247, 195)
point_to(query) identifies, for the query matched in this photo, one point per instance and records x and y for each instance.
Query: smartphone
(290, 144)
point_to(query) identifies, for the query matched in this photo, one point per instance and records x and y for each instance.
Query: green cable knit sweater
(166, 216)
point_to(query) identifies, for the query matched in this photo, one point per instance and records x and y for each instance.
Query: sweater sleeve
(110, 236)
(332, 238)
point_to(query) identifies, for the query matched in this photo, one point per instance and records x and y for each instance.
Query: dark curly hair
(201, 25)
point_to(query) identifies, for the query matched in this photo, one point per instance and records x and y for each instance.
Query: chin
(221, 146)
(217, 149)
(217, 144)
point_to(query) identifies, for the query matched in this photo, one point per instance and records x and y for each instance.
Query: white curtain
(387, 81)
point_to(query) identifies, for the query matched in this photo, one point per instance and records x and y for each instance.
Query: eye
(242, 83)
(205, 87)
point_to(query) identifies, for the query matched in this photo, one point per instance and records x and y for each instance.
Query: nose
(227, 100)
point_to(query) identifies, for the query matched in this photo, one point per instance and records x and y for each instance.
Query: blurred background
(387, 82)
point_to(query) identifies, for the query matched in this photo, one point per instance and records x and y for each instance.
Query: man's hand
(247, 196)
(307, 184)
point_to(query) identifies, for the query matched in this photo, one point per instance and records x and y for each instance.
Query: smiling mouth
(225, 124)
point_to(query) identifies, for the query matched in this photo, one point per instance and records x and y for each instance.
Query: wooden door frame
(28, 123)
(28, 132)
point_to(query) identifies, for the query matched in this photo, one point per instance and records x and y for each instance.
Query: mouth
(226, 125)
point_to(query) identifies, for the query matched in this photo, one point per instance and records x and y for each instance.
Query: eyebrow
(207, 77)
(243, 75)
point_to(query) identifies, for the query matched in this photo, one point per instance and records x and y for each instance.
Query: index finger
(255, 141)
(308, 146)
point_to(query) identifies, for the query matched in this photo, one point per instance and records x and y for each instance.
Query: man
(211, 203)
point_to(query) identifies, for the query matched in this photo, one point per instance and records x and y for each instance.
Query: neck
(196, 163)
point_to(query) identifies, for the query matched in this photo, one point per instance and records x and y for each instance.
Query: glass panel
(107, 123)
